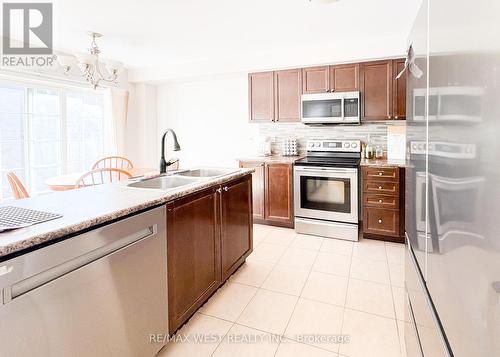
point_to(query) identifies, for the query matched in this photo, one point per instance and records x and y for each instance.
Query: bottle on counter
(369, 150)
(379, 152)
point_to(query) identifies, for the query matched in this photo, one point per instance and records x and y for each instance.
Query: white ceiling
(167, 39)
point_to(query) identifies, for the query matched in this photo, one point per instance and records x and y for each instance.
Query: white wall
(210, 117)
(141, 141)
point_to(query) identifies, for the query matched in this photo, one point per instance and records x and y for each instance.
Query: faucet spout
(177, 147)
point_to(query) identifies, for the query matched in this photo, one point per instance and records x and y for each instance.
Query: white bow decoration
(411, 65)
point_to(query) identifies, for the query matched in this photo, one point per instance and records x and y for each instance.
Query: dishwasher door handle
(38, 280)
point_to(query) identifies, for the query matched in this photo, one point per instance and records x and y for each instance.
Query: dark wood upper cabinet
(261, 96)
(279, 193)
(344, 78)
(315, 80)
(376, 82)
(399, 90)
(276, 96)
(236, 225)
(257, 187)
(193, 254)
(288, 89)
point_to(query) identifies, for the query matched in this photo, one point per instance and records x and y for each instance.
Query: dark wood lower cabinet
(383, 203)
(209, 235)
(193, 254)
(236, 225)
(258, 187)
(272, 191)
(279, 194)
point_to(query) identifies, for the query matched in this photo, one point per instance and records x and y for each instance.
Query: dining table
(68, 181)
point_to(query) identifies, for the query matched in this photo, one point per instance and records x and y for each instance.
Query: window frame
(62, 90)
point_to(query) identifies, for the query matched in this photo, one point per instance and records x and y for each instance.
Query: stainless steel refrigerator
(453, 181)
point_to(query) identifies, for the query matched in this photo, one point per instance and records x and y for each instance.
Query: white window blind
(45, 132)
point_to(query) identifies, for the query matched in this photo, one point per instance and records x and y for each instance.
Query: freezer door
(463, 271)
(416, 131)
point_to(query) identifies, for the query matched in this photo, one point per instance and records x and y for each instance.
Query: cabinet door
(193, 250)
(261, 96)
(399, 90)
(236, 225)
(279, 193)
(376, 90)
(288, 89)
(344, 78)
(381, 221)
(257, 187)
(315, 80)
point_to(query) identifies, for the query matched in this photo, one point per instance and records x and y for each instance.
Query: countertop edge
(17, 248)
(382, 163)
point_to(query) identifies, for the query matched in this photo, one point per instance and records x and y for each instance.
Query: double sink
(181, 178)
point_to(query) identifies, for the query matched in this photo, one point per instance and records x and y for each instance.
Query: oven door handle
(326, 169)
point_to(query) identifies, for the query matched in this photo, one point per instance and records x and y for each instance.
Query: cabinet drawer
(387, 188)
(381, 173)
(381, 221)
(381, 201)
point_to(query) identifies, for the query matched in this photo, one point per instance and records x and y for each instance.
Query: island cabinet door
(193, 254)
(279, 194)
(236, 224)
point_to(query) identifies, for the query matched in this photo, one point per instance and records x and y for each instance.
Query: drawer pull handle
(380, 187)
(379, 221)
(379, 201)
(380, 173)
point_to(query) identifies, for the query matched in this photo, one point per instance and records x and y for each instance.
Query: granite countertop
(92, 206)
(272, 158)
(383, 163)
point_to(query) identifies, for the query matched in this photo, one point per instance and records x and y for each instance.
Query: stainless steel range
(326, 185)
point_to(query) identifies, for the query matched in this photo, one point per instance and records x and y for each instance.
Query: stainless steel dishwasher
(101, 293)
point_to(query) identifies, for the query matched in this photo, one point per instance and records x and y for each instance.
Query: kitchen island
(101, 277)
(90, 207)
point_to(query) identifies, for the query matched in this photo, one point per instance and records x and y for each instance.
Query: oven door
(326, 193)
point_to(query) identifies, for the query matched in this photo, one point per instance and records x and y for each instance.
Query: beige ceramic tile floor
(295, 294)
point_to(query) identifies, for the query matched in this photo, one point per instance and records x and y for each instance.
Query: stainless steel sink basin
(164, 182)
(205, 172)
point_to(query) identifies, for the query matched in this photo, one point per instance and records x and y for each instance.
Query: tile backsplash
(377, 132)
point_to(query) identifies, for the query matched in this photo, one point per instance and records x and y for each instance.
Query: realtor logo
(27, 28)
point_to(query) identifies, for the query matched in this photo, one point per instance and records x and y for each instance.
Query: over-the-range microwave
(331, 108)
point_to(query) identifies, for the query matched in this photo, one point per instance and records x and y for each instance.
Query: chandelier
(90, 64)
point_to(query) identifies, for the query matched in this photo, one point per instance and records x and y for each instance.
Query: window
(45, 132)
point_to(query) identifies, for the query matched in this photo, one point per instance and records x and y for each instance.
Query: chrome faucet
(163, 163)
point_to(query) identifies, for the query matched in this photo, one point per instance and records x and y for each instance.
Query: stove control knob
(311, 144)
(347, 145)
(317, 144)
(354, 145)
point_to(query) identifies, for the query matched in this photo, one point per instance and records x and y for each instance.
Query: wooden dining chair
(116, 162)
(102, 176)
(17, 186)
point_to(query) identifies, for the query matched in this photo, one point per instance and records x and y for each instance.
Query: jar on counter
(379, 152)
